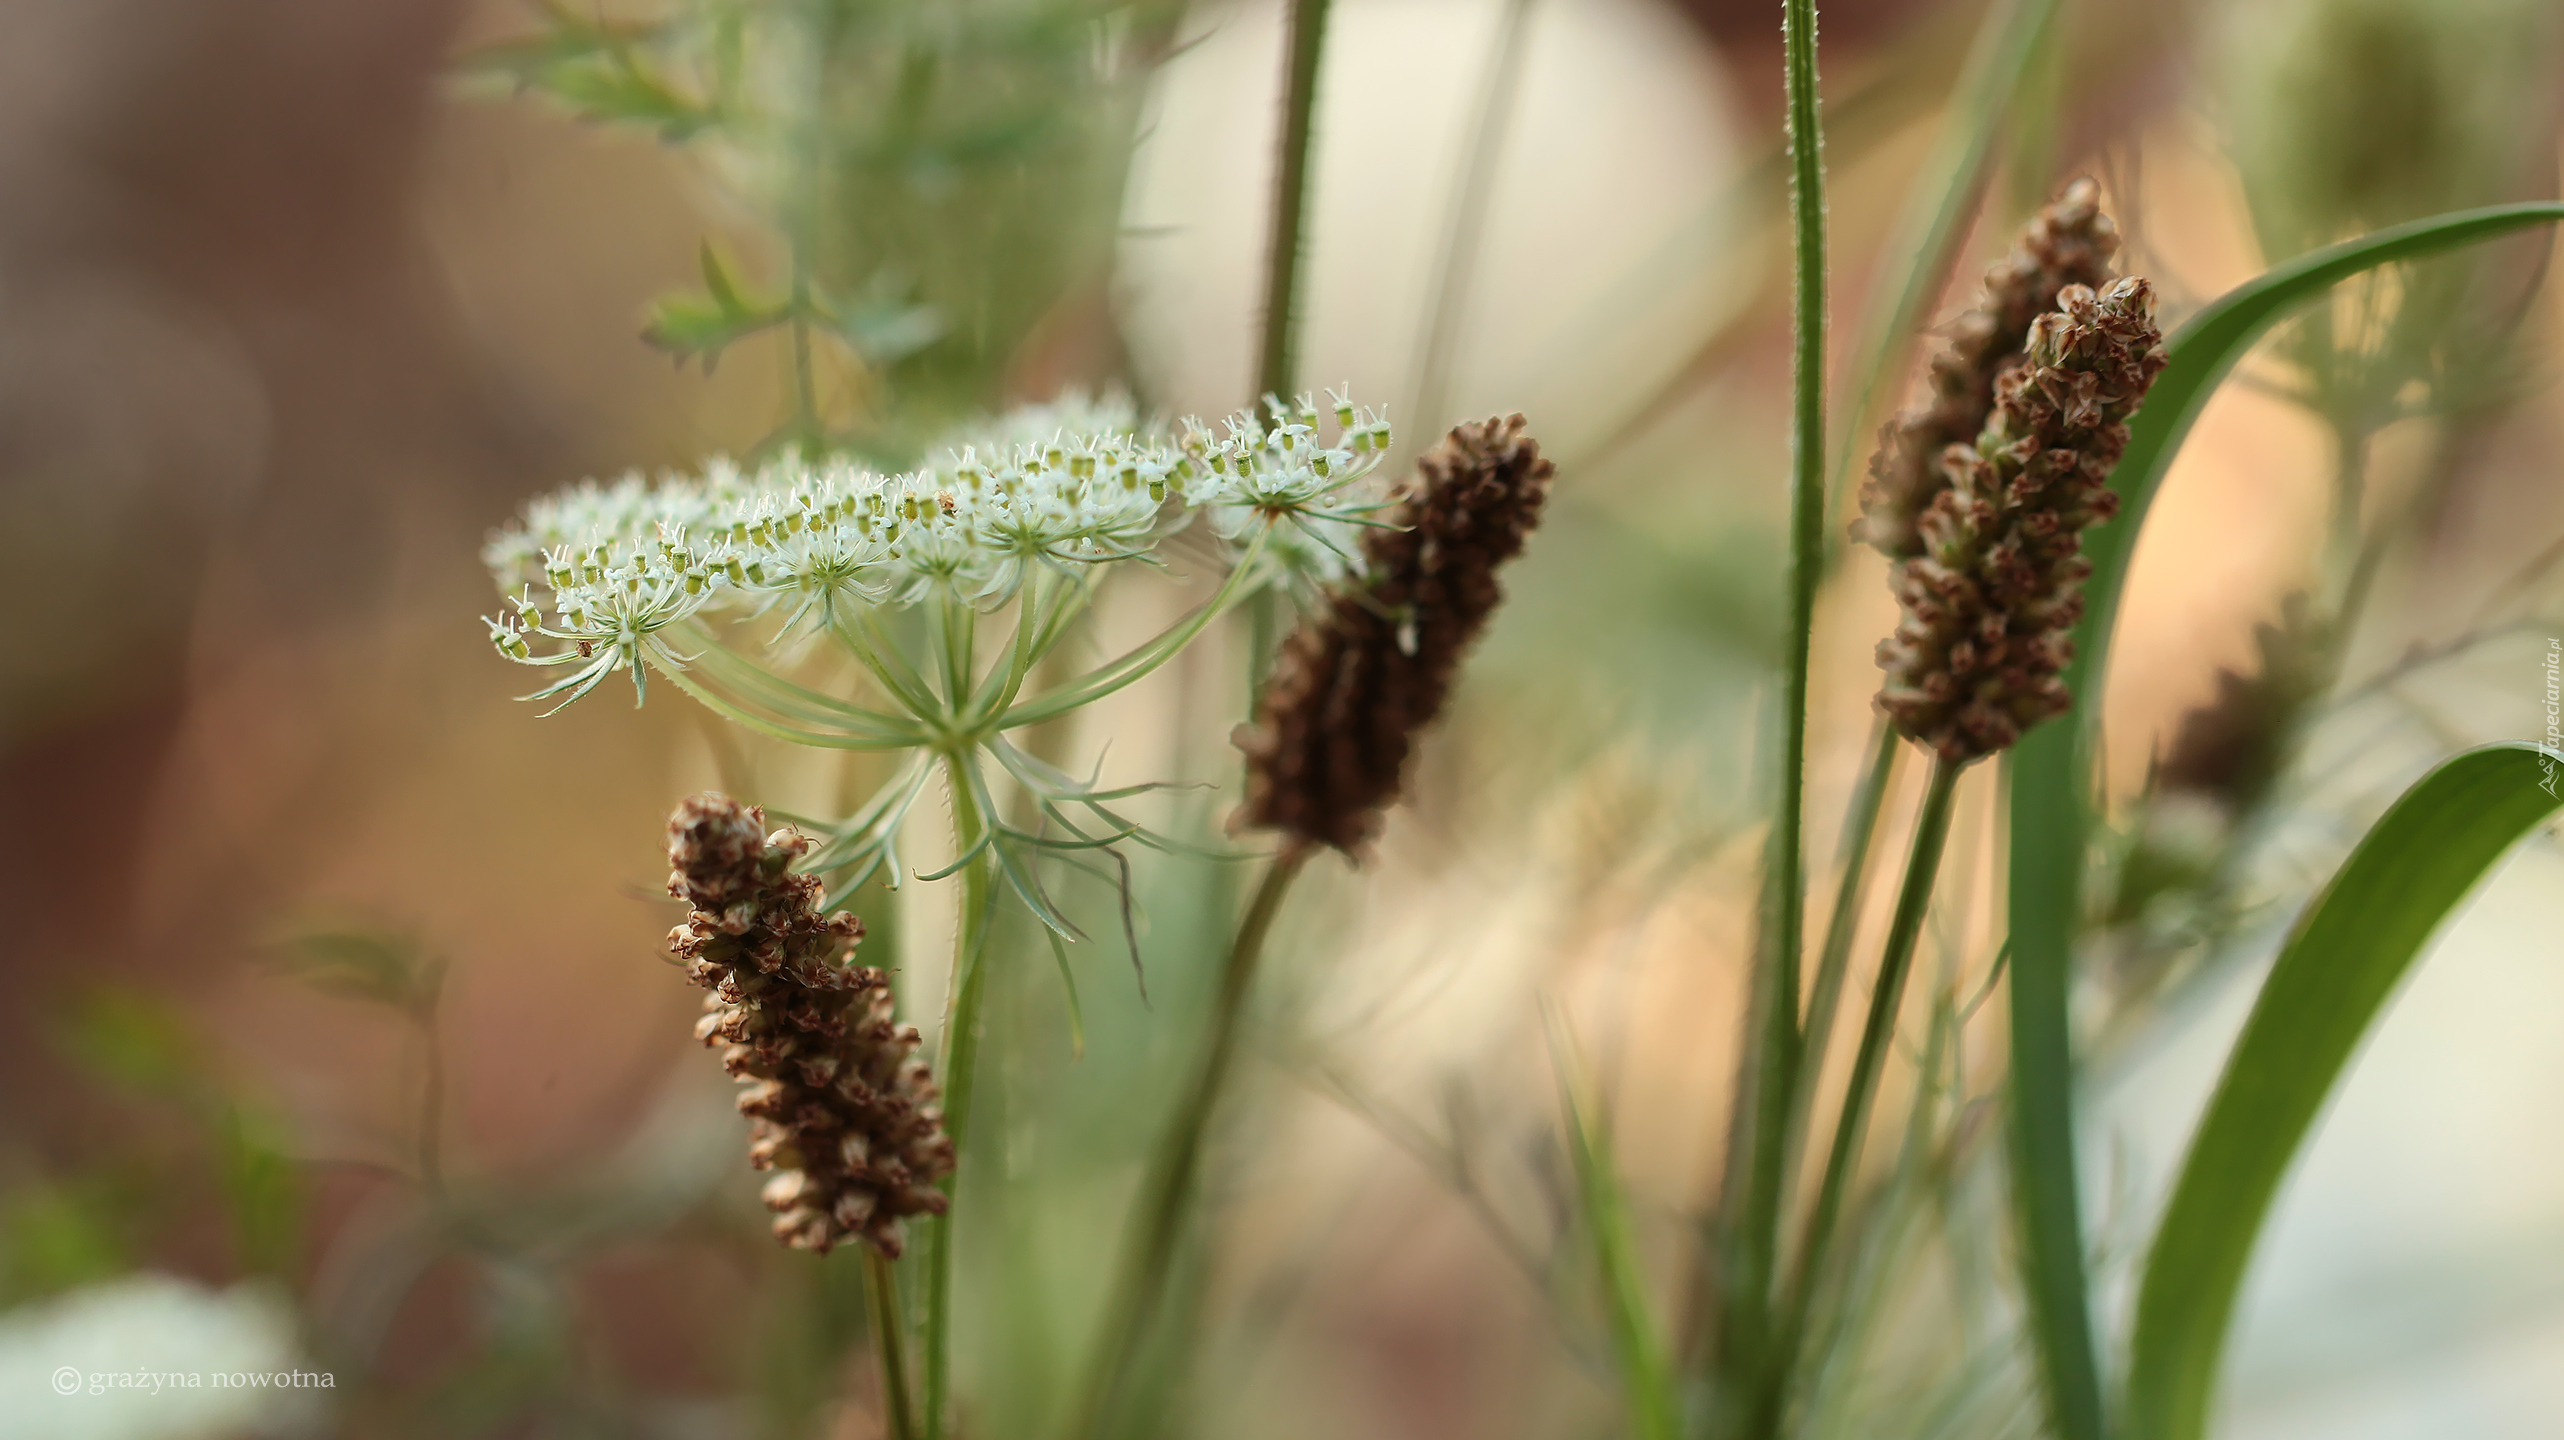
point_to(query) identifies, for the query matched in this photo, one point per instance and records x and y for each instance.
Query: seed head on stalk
(1374, 664)
(1991, 602)
(2068, 243)
(839, 1106)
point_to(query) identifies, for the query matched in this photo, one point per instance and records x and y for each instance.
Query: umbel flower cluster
(839, 1106)
(2068, 243)
(1363, 674)
(599, 573)
(1991, 602)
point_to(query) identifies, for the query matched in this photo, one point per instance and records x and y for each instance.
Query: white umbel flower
(596, 571)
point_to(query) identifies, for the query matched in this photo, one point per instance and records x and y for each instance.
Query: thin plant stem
(1277, 361)
(1148, 1256)
(1278, 354)
(1465, 224)
(888, 1329)
(1774, 1040)
(1913, 899)
(960, 1060)
(1943, 199)
(1834, 958)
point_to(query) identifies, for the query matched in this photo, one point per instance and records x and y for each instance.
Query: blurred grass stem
(1277, 357)
(887, 1326)
(1148, 1256)
(1913, 900)
(1465, 223)
(960, 1060)
(1833, 959)
(1937, 210)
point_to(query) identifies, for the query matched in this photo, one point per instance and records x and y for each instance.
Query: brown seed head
(838, 1104)
(2068, 243)
(1374, 665)
(1990, 605)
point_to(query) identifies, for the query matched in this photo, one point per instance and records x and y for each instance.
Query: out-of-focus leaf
(263, 1184)
(2414, 867)
(1645, 1377)
(136, 1040)
(382, 969)
(54, 1239)
(700, 327)
(2051, 769)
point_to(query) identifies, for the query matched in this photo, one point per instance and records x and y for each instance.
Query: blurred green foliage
(935, 183)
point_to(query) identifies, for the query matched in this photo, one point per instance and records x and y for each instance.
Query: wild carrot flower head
(596, 571)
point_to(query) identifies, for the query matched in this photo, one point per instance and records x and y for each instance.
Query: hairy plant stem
(1913, 899)
(1148, 1254)
(888, 1327)
(960, 1063)
(1773, 1045)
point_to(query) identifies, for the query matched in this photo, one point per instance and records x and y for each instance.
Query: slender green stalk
(1277, 362)
(1148, 1256)
(1834, 958)
(1775, 1038)
(1913, 899)
(1465, 223)
(961, 1059)
(1943, 199)
(1644, 1376)
(889, 1327)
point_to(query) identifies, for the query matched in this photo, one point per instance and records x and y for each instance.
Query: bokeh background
(331, 973)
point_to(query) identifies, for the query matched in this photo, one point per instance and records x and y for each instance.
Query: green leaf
(2052, 767)
(137, 1040)
(378, 968)
(616, 87)
(2414, 868)
(693, 327)
(1640, 1353)
(264, 1187)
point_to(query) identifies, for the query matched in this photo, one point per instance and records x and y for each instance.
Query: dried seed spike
(794, 1021)
(2068, 243)
(1374, 665)
(1992, 598)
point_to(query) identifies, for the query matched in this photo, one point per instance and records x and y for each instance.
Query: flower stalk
(1148, 1259)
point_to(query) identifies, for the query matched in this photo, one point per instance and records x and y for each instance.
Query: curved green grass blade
(2345, 957)
(2051, 776)
(1637, 1348)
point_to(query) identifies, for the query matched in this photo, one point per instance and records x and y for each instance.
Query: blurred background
(336, 1025)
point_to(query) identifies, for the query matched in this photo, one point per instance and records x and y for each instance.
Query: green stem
(1277, 361)
(1938, 208)
(1775, 1037)
(1914, 897)
(1149, 1256)
(888, 1326)
(1465, 224)
(960, 1060)
(1834, 959)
